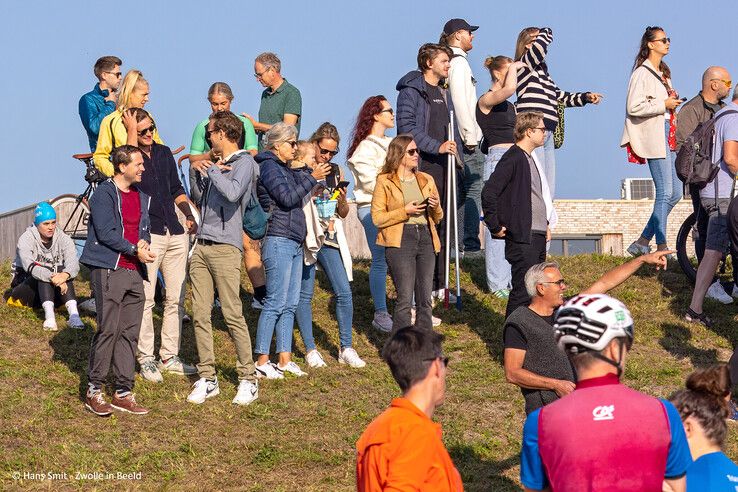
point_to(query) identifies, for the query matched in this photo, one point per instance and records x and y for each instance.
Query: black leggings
(33, 293)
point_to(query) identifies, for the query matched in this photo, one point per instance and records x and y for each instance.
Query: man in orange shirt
(401, 450)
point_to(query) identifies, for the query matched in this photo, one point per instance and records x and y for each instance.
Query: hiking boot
(95, 403)
(717, 292)
(382, 321)
(128, 404)
(202, 390)
(349, 356)
(247, 393)
(315, 359)
(700, 318)
(75, 322)
(176, 366)
(636, 249)
(88, 306)
(292, 368)
(50, 324)
(268, 371)
(150, 372)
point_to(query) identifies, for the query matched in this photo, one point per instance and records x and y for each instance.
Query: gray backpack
(694, 164)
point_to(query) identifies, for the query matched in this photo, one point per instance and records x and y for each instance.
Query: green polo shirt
(199, 144)
(274, 105)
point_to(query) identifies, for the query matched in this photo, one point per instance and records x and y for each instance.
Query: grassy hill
(300, 434)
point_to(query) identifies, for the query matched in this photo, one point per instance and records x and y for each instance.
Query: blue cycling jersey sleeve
(532, 473)
(679, 457)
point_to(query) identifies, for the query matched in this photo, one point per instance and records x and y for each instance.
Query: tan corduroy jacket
(388, 209)
(644, 114)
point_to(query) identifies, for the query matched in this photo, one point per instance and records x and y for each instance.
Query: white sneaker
(717, 292)
(150, 372)
(315, 359)
(435, 321)
(50, 324)
(247, 393)
(88, 305)
(75, 322)
(202, 390)
(176, 366)
(269, 371)
(350, 357)
(292, 368)
(636, 249)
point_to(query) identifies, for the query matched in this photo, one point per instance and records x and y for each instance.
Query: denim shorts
(717, 224)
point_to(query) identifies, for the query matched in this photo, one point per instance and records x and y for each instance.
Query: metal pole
(457, 264)
(447, 251)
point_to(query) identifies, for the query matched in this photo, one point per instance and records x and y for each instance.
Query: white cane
(447, 251)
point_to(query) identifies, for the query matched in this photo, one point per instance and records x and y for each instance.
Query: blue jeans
(330, 261)
(668, 193)
(283, 259)
(499, 274)
(378, 269)
(473, 167)
(547, 157)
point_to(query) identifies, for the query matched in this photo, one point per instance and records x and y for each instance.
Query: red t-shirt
(130, 204)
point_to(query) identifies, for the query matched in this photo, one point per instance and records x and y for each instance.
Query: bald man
(716, 84)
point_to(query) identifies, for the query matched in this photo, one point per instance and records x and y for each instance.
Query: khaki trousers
(171, 259)
(219, 266)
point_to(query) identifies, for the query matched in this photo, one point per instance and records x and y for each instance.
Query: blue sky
(337, 53)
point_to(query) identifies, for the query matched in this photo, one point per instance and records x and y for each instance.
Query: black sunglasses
(293, 143)
(388, 110)
(328, 152)
(443, 359)
(412, 152)
(146, 130)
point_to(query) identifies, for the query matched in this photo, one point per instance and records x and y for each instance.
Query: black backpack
(694, 161)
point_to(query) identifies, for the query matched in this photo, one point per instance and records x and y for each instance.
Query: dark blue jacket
(161, 182)
(413, 111)
(92, 109)
(281, 190)
(105, 242)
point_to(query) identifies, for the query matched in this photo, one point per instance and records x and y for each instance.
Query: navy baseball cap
(457, 25)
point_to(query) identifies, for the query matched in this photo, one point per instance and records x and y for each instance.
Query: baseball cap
(457, 25)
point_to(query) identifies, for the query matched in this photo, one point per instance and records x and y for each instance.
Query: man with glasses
(170, 244)
(402, 449)
(716, 86)
(100, 101)
(280, 101)
(216, 260)
(517, 204)
(532, 360)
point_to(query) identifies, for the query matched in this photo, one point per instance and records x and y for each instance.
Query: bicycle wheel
(72, 215)
(685, 247)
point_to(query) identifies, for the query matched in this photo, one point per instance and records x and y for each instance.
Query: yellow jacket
(105, 138)
(388, 209)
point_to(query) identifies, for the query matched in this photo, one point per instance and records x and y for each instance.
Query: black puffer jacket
(281, 191)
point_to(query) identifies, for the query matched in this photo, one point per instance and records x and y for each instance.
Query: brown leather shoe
(128, 404)
(95, 403)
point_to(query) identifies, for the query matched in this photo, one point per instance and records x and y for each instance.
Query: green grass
(300, 434)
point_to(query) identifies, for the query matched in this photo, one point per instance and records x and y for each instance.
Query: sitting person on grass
(45, 264)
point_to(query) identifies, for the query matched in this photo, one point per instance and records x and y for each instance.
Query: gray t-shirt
(538, 206)
(726, 128)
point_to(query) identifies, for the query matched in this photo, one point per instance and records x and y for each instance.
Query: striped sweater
(536, 90)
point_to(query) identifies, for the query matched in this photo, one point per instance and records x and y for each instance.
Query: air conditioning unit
(637, 189)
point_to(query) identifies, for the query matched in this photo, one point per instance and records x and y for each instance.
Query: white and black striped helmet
(590, 322)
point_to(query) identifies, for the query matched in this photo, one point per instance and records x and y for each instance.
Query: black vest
(543, 357)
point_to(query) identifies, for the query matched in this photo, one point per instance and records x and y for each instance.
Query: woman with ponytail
(114, 128)
(650, 132)
(704, 407)
(496, 117)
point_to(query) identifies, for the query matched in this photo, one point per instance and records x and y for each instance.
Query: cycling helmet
(43, 212)
(588, 322)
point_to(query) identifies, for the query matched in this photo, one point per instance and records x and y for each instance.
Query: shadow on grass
(677, 341)
(481, 474)
(72, 348)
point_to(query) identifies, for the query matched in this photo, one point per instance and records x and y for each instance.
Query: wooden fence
(12, 225)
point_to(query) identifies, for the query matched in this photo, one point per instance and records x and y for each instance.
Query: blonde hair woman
(114, 128)
(406, 209)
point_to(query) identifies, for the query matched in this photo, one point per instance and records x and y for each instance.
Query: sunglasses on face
(443, 359)
(117, 74)
(663, 40)
(147, 130)
(728, 83)
(412, 152)
(388, 110)
(208, 133)
(293, 143)
(328, 152)
(560, 282)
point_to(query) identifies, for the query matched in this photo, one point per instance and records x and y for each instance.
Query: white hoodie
(462, 85)
(365, 164)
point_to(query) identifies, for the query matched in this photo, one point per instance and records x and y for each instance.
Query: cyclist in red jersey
(604, 435)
